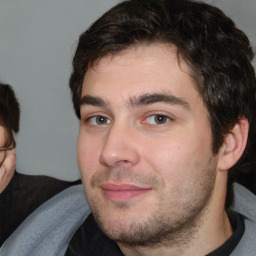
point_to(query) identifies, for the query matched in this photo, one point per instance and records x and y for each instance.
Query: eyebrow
(142, 100)
(147, 99)
(91, 100)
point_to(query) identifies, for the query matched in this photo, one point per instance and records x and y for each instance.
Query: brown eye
(101, 120)
(158, 119)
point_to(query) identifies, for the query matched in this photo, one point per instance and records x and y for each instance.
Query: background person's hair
(217, 52)
(9, 113)
(9, 139)
(10, 102)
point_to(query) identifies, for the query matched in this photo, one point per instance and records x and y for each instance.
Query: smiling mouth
(122, 192)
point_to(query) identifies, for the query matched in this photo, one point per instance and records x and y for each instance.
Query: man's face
(144, 146)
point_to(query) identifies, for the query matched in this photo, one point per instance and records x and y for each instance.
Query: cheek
(88, 153)
(84, 151)
(177, 155)
(2, 157)
(166, 152)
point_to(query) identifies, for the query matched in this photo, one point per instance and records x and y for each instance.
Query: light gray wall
(37, 42)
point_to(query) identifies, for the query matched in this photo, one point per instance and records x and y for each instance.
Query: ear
(234, 145)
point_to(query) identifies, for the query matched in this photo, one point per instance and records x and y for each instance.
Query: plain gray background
(37, 42)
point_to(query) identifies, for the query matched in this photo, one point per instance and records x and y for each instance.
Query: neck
(209, 231)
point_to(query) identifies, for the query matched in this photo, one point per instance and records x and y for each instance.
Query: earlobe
(234, 145)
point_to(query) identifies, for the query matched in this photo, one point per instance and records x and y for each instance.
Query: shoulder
(23, 195)
(245, 204)
(59, 217)
(247, 245)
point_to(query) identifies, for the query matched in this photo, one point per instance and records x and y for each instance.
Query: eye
(158, 119)
(98, 120)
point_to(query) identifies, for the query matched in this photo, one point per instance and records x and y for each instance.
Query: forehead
(155, 68)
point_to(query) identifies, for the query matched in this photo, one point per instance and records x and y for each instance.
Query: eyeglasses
(3, 154)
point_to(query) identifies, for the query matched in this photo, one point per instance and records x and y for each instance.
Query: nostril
(124, 162)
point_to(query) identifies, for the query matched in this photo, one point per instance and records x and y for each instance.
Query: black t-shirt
(89, 239)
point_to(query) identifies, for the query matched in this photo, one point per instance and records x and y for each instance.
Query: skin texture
(144, 153)
(2, 142)
(7, 168)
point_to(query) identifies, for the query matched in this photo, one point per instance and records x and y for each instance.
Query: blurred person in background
(7, 154)
(20, 194)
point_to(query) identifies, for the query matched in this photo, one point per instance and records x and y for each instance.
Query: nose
(120, 147)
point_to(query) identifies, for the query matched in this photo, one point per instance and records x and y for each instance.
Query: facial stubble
(178, 225)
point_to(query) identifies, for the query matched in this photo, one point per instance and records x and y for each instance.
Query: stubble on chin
(158, 228)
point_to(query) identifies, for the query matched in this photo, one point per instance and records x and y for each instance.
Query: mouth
(122, 192)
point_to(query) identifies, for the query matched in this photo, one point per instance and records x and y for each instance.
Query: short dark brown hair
(218, 53)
